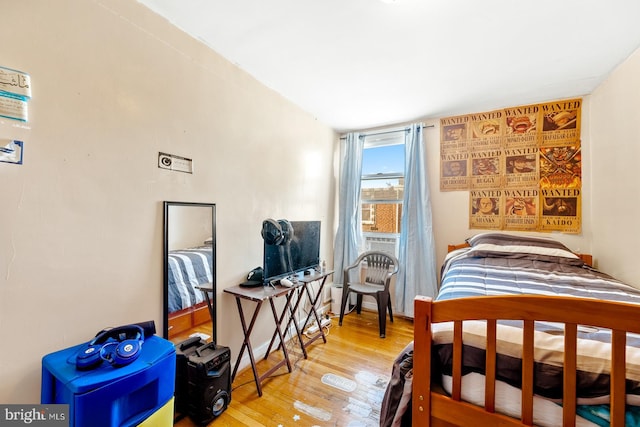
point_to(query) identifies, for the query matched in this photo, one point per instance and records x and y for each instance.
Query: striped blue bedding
(188, 268)
(466, 275)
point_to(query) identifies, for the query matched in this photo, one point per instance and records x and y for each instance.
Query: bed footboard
(437, 409)
(421, 394)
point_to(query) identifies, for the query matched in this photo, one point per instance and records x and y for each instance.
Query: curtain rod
(364, 135)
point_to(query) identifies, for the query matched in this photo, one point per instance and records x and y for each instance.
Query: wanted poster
(454, 134)
(561, 167)
(486, 130)
(485, 210)
(516, 154)
(521, 209)
(560, 122)
(486, 169)
(560, 210)
(454, 171)
(521, 126)
(521, 167)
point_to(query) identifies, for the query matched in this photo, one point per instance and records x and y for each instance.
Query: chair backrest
(380, 267)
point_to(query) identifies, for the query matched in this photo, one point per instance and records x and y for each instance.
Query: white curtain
(349, 233)
(417, 274)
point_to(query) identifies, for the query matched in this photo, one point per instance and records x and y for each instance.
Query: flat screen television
(301, 253)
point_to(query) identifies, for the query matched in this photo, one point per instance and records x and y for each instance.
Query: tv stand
(306, 280)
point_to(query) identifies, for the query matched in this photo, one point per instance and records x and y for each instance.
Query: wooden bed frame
(432, 407)
(188, 318)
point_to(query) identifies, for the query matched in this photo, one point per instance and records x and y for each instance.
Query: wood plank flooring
(354, 356)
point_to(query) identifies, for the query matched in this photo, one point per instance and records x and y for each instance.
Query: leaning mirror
(189, 270)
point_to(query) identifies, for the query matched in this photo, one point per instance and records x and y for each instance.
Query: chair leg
(345, 297)
(390, 310)
(359, 304)
(382, 315)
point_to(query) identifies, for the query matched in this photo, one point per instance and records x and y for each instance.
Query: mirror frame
(165, 303)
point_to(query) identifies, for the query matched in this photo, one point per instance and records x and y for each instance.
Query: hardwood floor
(353, 357)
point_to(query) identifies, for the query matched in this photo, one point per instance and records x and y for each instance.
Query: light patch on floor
(358, 408)
(370, 387)
(341, 383)
(200, 335)
(369, 378)
(376, 397)
(373, 386)
(316, 413)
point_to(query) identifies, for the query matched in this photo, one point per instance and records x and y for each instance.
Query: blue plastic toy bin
(110, 396)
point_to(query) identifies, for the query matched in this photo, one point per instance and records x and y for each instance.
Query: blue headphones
(118, 346)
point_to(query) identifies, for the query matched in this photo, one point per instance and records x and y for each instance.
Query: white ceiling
(358, 64)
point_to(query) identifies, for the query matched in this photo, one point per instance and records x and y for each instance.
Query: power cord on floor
(325, 327)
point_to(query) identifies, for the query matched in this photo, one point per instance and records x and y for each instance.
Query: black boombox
(203, 379)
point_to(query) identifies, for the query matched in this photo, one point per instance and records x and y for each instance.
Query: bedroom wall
(189, 227)
(610, 197)
(615, 115)
(81, 220)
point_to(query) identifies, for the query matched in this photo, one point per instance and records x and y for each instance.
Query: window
(382, 191)
(368, 214)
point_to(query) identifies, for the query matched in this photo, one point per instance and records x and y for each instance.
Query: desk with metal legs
(295, 290)
(307, 280)
(259, 295)
(303, 286)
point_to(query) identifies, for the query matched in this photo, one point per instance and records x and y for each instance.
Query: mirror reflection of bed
(189, 265)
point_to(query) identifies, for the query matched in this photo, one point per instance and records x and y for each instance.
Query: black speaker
(184, 349)
(209, 382)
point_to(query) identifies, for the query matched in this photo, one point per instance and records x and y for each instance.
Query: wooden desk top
(313, 276)
(258, 293)
(205, 287)
(261, 293)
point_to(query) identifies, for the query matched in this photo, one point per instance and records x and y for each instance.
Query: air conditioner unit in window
(382, 244)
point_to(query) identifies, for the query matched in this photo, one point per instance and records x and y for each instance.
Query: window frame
(371, 142)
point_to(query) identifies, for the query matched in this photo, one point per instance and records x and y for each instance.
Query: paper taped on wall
(11, 151)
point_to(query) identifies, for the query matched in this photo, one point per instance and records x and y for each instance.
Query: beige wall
(615, 131)
(610, 197)
(81, 220)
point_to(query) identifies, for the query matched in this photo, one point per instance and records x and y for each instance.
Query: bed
(187, 269)
(522, 332)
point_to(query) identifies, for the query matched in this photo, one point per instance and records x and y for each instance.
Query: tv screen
(301, 253)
